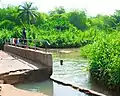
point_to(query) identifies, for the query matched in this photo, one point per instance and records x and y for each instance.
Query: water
(73, 71)
(50, 88)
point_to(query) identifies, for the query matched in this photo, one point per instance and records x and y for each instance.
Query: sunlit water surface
(74, 71)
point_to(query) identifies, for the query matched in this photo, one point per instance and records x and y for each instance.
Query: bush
(104, 55)
(4, 36)
(7, 24)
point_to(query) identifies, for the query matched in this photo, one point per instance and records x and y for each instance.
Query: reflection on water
(44, 87)
(60, 90)
(50, 88)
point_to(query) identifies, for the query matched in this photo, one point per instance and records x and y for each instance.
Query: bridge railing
(29, 43)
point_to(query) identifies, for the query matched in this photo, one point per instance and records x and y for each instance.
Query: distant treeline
(60, 28)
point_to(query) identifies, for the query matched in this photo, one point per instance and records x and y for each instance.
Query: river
(74, 71)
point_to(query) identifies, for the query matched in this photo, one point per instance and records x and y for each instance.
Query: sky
(93, 7)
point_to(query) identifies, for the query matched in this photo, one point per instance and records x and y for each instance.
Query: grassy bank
(104, 58)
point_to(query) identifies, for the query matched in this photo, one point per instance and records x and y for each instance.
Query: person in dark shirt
(24, 36)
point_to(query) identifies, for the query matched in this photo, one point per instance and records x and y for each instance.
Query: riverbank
(104, 58)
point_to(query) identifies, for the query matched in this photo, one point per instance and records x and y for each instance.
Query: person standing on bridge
(24, 36)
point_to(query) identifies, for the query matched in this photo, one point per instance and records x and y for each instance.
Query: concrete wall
(36, 56)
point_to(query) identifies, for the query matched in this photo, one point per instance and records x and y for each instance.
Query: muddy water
(74, 70)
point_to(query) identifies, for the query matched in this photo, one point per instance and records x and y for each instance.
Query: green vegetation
(98, 37)
(27, 13)
(104, 56)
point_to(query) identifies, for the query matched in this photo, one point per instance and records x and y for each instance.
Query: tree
(9, 13)
(116, 16)
(41, 19)
(102, 22)
(27, 13)
(78, 19)
(57, 10)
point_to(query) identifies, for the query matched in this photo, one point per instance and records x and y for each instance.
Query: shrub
(104, 55)
(7, 24)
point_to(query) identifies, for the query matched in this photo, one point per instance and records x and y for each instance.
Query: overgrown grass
(104, 57)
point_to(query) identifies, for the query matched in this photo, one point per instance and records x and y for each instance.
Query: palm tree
(27, 12)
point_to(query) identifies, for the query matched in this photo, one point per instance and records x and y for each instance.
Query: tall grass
(104, 57)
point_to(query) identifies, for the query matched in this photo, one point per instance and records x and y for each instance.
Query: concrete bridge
(20, 65)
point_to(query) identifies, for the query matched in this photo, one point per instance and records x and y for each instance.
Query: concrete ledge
(37, 56)
(23, 76)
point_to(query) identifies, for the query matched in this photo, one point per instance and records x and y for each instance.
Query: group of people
(23, 38)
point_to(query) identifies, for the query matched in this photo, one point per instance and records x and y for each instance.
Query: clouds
(93, 7)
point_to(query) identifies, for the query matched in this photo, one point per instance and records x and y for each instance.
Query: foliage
(57, 10)
(78, 19)
(40, 19)
(4, 36)
(104, 55)
(57, 39)
(7, 24)
(27, 12)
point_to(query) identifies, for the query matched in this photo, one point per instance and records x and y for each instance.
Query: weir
(24, 65)
(38, 56)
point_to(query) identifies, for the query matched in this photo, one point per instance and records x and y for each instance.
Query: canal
(74, 70)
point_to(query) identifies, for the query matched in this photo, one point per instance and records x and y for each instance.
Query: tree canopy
(27, 13)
